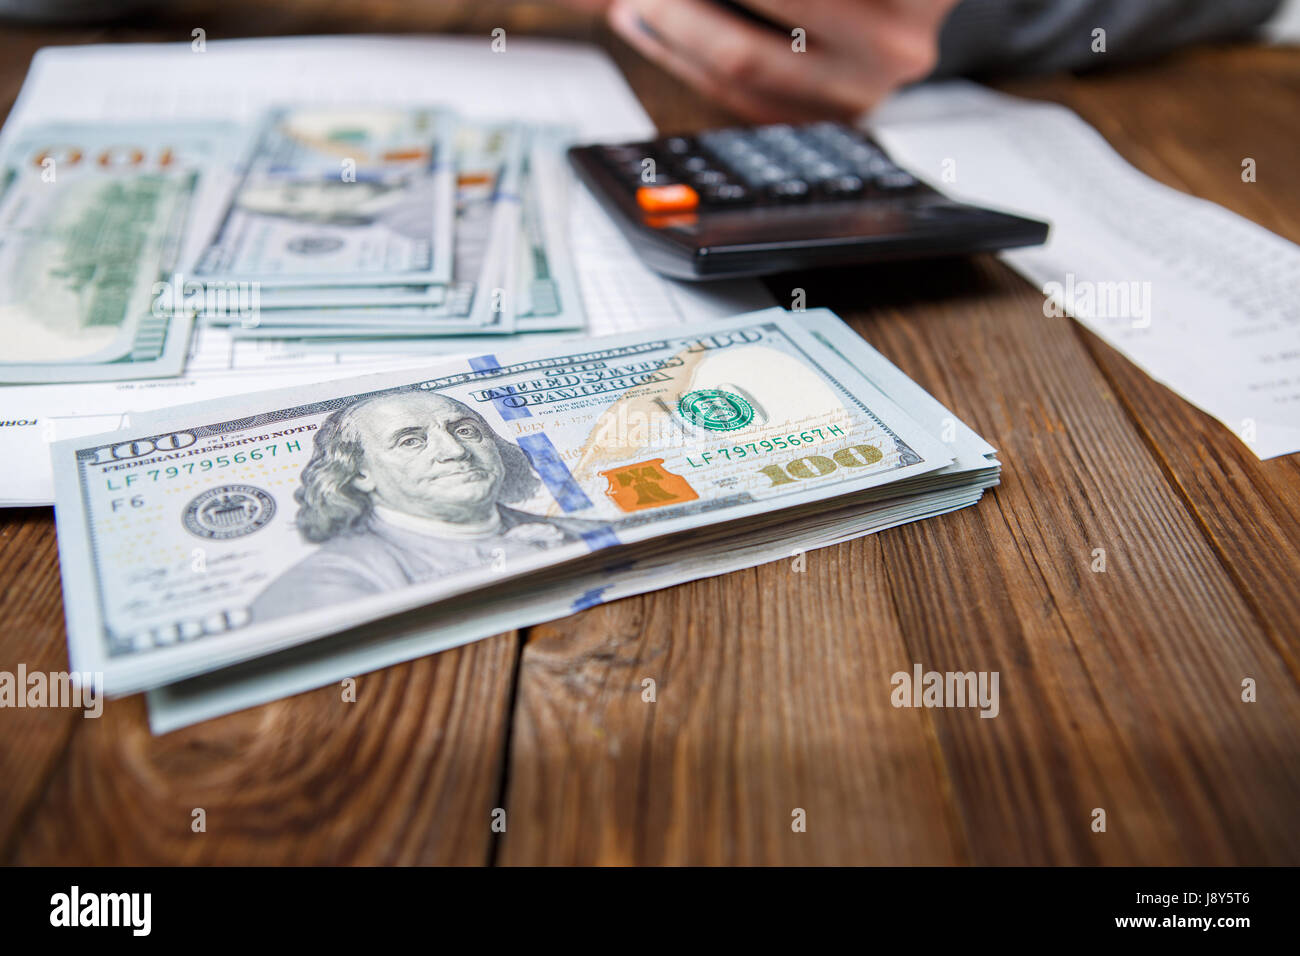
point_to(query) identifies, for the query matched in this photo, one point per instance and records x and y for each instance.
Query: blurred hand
(857, 51)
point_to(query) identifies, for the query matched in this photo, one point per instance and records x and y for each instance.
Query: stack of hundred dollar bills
(246, 548)
(322, 224)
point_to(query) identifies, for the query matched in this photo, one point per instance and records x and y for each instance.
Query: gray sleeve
(70, 11)
(1038, 36)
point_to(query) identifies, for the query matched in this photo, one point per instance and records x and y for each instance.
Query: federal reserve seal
(715, 409)
(230, 511)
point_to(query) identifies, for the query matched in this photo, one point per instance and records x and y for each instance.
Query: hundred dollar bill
(481, 151)
(543, 286)
(344, 197)
(93, 218)
(228, 530)
(486, 157)
(531, 601)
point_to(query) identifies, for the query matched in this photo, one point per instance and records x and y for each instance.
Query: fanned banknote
(338, 196)
(488, 166)
(542, 286)
(220, 532)
(480, 152)
(92, 220)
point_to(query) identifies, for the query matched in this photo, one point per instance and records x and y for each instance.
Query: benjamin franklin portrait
(404, 488)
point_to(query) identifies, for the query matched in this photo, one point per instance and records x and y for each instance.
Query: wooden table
(1119, 690)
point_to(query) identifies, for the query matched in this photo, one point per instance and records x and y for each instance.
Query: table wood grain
(1119, 690)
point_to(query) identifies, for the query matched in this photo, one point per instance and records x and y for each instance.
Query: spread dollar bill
(91, 220)
(540, 291)
(335, 196)
(219, 532)
(480, 151)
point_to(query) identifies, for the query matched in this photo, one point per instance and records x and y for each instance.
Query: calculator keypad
(758, 165)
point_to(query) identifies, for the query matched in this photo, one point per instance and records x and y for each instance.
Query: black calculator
(764, 199)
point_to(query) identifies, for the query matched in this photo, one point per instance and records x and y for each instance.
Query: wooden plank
(771, 696)
(406, 774)
(1249, 509)
(31, 607)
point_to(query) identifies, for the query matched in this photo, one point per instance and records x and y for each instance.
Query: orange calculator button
(676, 198)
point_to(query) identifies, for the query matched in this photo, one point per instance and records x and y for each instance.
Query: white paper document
(1203, 300)
(539, 80)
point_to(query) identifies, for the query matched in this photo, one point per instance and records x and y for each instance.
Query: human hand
(855, 52)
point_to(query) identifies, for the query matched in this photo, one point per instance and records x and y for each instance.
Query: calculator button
(677, 145)
(740, 158)
(873, 169)
(894, 179)
(694, 164)
(709, 177)
(788, 189)
(726, 194)
(843, 186)
(674, 198)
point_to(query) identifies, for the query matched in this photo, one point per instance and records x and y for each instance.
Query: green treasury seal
(715, 409)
